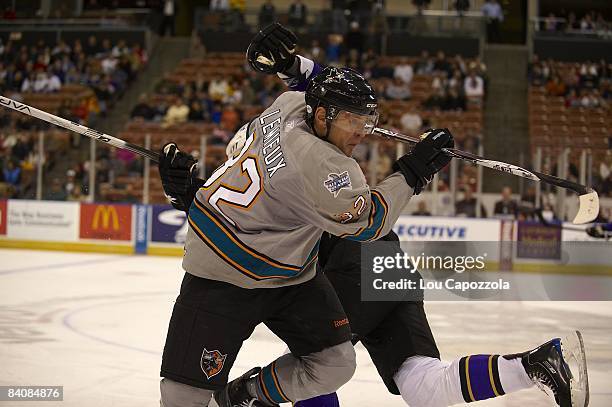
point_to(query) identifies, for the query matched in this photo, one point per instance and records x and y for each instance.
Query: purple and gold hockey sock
(326, 400)
(479, 375)
(487, 376)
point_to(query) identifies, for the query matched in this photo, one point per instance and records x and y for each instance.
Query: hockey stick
(589, 200)
(78, 128)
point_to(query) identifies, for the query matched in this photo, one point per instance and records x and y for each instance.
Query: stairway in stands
(506, 120)
(166, 55)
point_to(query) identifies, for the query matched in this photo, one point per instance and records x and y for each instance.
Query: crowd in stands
(45, 68)
(19, 153)
(26, 71)
(591, 22)
(581, 84)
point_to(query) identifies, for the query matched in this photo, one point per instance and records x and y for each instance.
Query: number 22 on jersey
(241, 198)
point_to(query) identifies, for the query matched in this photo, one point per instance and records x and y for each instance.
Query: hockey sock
(426, 381)
(266, 386)
(326, 400)
(512, 375)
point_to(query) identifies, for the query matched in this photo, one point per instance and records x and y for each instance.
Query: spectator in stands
(28, 83)
(507, 205)
(267, 14)
(248, 94)
(219, 5)
(556, 87)
(462, 6)
(196, 112)
(439, 81)
(21, 148)
(378, 22)
(338, 8)
(441, 64)
(76, 195)
(494, 15)
(550, 22)
(421, 209)
(474, 88)
(467, 206)
(421, 5)
(587, 24)
(218, 89)
(56, 192)
(297, 15)
(403, 71)
(143, 109)
(455, 100)
(12, 174)
(397, 90)
(459, 64)
(177, 113)
(424, 64)
(588, 75)
(456, 81)
(333, 49)
(355, 42)
(436, 100)
(411, 122)
(92, 47)
(168, 13)
(230, 118)
(572, 99)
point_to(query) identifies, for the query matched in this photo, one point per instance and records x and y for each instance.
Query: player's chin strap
(330, 114)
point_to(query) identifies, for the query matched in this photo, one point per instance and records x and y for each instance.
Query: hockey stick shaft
(78, 128)
(496, 165)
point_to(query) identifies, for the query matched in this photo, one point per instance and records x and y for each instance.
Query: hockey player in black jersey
(397, 334)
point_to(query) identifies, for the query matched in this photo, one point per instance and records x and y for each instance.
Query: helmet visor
(356, 123)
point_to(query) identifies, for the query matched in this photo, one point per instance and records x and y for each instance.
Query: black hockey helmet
(340, 89)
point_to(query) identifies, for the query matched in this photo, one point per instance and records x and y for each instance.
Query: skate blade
(572, 348)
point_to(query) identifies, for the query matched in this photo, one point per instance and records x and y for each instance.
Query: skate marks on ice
(96, 325)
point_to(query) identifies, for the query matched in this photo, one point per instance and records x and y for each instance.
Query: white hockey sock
(429, 382)
(512, 375)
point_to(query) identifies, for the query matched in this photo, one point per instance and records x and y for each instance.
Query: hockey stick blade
(78, 128)
(589, 208)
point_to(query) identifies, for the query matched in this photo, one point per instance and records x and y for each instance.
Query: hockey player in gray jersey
(251, 249)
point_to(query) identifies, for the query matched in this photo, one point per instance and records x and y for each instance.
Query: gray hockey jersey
(258, 219)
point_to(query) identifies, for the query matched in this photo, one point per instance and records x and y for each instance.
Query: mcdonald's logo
(106, 222)
(106, 213)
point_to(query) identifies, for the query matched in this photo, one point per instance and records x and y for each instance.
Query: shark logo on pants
(212, 362)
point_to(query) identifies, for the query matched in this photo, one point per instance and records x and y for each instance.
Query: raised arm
(272, 51)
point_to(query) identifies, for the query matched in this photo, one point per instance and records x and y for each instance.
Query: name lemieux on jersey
(258, 219)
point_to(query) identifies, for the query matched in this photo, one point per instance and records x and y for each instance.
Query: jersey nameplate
(272, 151)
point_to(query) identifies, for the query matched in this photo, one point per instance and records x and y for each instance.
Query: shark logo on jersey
(336, 182)
(212, 362)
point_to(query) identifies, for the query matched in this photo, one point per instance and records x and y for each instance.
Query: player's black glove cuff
(425, 159)
(272, 50)
(178, 175)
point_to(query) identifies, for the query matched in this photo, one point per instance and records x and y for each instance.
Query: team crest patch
(336, 182)
(212, 362)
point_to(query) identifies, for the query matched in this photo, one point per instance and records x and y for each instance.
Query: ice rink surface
(96, 324)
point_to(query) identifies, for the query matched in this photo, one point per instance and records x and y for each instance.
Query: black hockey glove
(177, 171)
(425, 159)
(272, 50)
